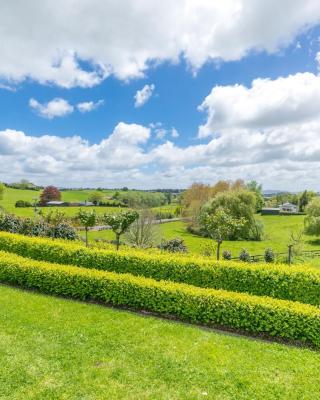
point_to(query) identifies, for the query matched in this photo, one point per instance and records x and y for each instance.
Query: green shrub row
(298, 283)
(258, 315)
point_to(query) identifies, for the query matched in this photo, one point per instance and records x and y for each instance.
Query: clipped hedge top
(15, 261)
(163, 258)
(296, 283)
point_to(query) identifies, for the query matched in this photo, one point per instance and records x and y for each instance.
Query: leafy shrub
(284, 319)
(269, 256)
(63, 230)
(298, 283)
(244, 256)
(36, 227)
(226, 255)
(175, 245)
(22, 204)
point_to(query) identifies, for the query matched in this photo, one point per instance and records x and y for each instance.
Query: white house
(288, 208)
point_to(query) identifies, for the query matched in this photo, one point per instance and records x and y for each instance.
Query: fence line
(259, 257)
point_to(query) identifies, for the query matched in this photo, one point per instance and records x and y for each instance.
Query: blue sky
(119, 144)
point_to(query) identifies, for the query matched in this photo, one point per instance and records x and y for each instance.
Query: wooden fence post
(290, 253)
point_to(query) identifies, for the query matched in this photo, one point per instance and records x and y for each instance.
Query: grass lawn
(277, 236)
(53, 348)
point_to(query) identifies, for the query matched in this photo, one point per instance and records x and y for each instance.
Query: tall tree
(96, 197)
(256, 188)
(50, 193)
(2, 189)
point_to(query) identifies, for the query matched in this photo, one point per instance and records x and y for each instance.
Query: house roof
(288, 205)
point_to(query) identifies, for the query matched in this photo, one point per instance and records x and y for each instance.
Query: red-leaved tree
(50, 193)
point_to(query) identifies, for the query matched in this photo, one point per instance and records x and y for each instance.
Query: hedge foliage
(280, 318)
(298, 283)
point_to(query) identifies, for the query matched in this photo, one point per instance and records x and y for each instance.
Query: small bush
(226, 255)
(283, 319)
(244, 256)
(22, 204)
(175, 245)
(63, 230)
(269, 256)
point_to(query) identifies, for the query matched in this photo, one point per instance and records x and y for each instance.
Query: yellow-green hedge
(298, 283)
(280, 318)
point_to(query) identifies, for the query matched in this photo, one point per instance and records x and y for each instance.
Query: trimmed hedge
(298, 283)
(259, 315)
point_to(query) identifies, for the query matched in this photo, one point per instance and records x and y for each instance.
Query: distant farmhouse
(286, 208)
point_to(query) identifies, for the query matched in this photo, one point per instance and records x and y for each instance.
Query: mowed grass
(54, 348)
(278, 230)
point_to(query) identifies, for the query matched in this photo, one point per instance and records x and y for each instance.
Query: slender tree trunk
(86, 228)
(218, 249)
(117, 240)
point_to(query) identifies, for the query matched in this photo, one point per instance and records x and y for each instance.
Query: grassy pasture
(12, 195)
(61, 349)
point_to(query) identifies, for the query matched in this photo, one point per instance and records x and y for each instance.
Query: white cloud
(54, 108)
(143, 95)
(283, 157)
(83, 45)
(88, 106)
(267, 103)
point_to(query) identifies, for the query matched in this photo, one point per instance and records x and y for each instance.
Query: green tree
(120, 222)
(256, 188)
(96, 197)
(238, 204)
(312, 219)
(2, 189)
(305, 198)
(220, 226)
(87, 219)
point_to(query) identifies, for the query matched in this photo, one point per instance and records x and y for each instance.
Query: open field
(12, 195)
(61, 349)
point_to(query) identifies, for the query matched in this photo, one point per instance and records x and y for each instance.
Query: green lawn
(61, 349)
(277, 236)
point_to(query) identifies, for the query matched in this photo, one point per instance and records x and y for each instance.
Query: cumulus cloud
(143, 95)
(85, 44)
(267, 103)
(88, 106)
(54, 108)
(280, 157)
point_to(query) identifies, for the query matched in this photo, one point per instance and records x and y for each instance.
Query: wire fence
(288, 254)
